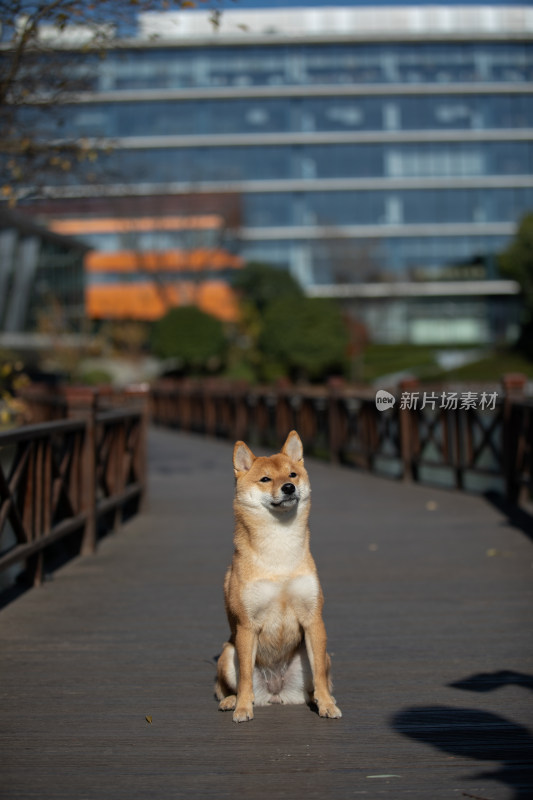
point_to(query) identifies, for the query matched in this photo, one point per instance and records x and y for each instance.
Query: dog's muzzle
(290, 497)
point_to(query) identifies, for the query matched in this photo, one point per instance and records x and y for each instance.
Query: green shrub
(261, 284)
(194, 339)
(307, 337)
(95, 377)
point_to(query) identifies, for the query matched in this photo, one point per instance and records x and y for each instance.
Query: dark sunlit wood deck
(107, 670)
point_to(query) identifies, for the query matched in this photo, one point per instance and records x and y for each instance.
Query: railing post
(284, 425)
(335, 388)
(115, 471)
(30, 515)
(185, 388)
(41, 503)
(408, 431)
(240, 419)
(82, 404)
(210, 403)
(513, 433)
(143, 396)
(252, 414)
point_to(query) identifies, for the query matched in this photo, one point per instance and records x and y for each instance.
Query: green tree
(258, 285)
(195, 339)
(516, 262)
(261, 284)
(308, 338)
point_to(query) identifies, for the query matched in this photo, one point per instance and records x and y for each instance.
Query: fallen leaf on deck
(148, 719)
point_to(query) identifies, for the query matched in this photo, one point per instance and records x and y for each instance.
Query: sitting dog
(277, 649)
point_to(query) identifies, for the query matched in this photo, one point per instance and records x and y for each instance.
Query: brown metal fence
(443, 439)
(81, 467)
(70, 476)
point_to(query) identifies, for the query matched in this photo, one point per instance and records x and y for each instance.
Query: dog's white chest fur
(270, 603)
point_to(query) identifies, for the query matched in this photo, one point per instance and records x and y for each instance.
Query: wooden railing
(77, 472)
(475, 448)
(74, 478)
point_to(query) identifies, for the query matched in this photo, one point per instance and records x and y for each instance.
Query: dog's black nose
(288, 488)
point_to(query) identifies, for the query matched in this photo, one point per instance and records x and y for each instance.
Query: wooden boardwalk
(429, 610)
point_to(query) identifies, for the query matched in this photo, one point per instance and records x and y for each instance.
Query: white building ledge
(355, 22)
(415, 289)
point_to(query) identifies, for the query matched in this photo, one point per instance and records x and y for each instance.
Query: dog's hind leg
(226, 683)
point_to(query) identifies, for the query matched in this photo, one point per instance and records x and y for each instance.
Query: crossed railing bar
(69, 475)
(79, 475)
(344, 424)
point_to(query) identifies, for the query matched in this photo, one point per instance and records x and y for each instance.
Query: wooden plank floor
(428, 609)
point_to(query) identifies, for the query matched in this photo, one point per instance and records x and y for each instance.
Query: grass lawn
(492, 367)
(385, 359)
(420, 361)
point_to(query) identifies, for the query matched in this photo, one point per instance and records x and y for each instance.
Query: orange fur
(277, 649)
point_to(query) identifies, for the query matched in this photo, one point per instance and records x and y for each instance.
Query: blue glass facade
(336, 64)
(374, 159)
(389, 112)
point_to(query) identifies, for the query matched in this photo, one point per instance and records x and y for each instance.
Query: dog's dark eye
(293, 475)
(265, 479)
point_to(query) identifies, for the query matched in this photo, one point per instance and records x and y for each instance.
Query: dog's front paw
(228, 703)
(243, 713)
(328, 709)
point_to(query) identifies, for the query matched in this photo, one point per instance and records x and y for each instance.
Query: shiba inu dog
(277, 649)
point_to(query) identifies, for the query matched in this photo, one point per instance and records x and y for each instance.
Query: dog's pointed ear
(293, 447)
(243, 458)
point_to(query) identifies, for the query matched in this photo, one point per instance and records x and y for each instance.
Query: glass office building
(381, 155)
(41, 281)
